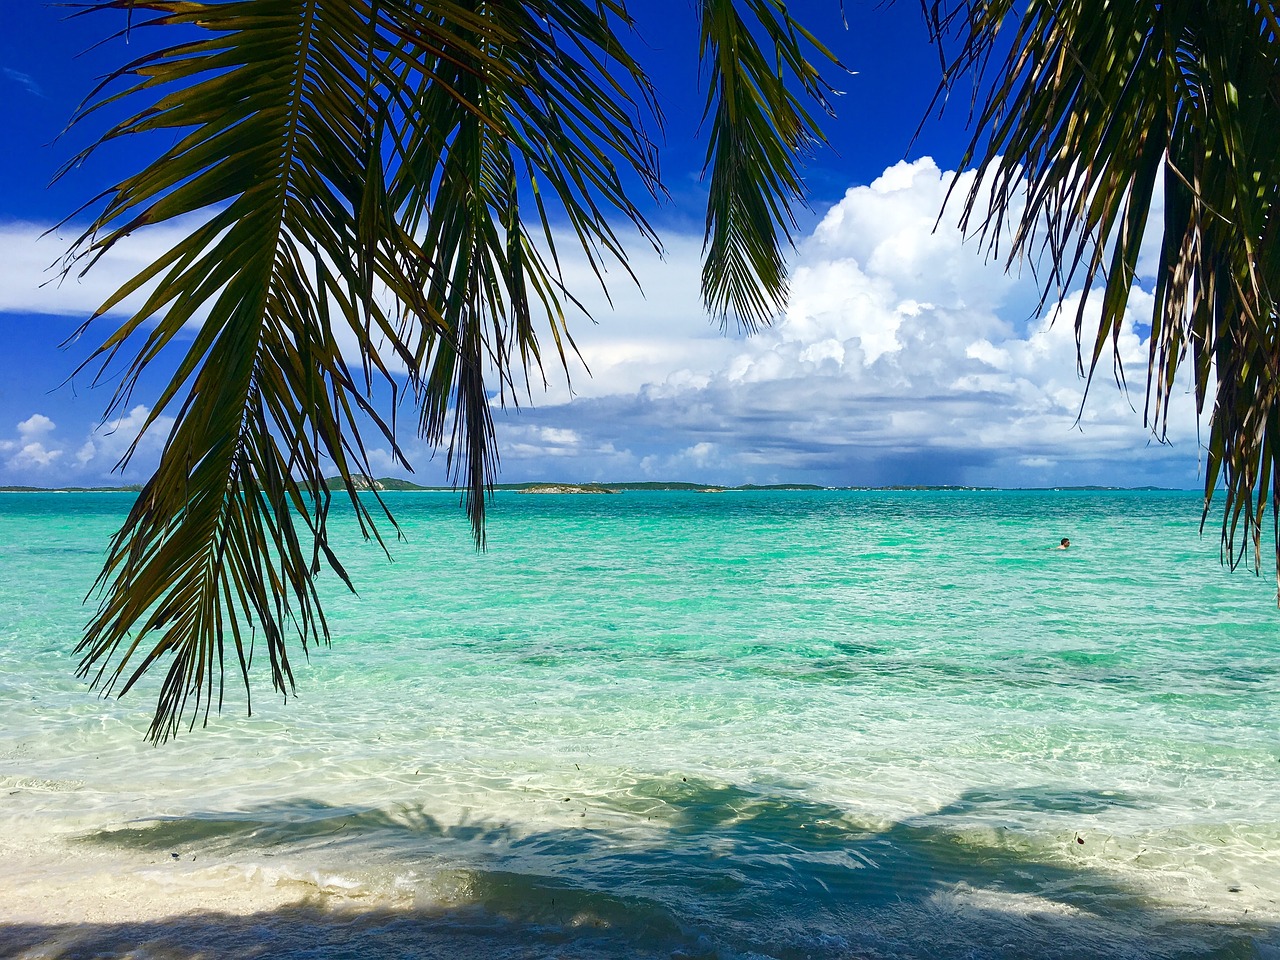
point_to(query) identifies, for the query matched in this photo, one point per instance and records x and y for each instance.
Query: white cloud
(33, 454)
(110, 441)
(30, 452)
(531, 442)
(701, 454)
(559, 437)
(24, 80)
(30, 276)
(36, 425)
(902, 350)
(32, 281)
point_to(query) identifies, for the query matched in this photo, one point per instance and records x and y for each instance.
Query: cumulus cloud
(36, 425)
(904, 356)
(529, 442)
(33, 455)
(36, 455)
(111, 440)
(32, 450)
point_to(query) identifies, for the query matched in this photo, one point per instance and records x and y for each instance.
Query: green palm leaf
(760, 128)
(553, 101)
(343, 154)
(276, 108)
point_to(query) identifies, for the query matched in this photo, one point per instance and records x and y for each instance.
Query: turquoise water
(747, 725)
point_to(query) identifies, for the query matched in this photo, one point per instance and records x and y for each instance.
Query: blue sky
(903, 356)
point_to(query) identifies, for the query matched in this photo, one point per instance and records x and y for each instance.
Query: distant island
(396, 485)
(128, 488)
(391, 484)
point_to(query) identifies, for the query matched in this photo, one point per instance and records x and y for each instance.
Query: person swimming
(1064, 545)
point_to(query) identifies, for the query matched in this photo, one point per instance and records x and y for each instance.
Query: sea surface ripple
(836, 724)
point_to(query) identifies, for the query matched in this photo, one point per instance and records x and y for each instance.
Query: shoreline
(66, 900)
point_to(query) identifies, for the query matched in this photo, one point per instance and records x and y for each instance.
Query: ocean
(736, 726)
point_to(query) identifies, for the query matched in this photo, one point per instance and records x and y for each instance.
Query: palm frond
(1094, 106)
(273, 107)
(553, 102)
(760, 127)
(343, 154)
(397, 173)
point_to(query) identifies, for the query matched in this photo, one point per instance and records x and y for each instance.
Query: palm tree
(391, 171)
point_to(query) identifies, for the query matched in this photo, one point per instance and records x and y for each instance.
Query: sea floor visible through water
(819, 725)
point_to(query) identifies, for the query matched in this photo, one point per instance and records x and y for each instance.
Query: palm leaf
(339, 150)
(760, 128)
(553, 101)
(274, 108)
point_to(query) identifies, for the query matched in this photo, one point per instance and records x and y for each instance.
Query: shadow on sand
(672, 869)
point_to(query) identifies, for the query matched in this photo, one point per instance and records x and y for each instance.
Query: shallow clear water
(783, 724)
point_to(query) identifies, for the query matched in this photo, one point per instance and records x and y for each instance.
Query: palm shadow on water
(679, 868)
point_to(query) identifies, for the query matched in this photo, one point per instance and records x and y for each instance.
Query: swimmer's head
(1066, 542)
